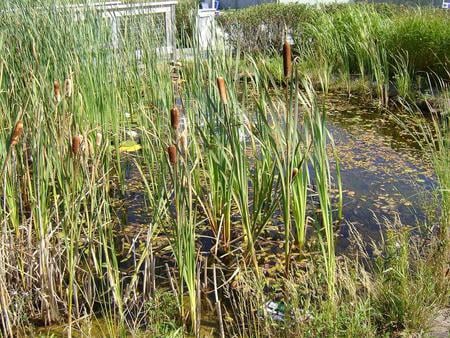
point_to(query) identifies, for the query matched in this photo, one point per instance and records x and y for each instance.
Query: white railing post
(173, 38)
(169, 29)
(114, 32)
(206, 27)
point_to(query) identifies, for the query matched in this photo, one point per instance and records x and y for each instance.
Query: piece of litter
(276, 310)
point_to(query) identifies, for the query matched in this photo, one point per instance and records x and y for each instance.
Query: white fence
(115, 10)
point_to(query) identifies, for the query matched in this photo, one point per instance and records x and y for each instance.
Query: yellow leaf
(130, 148)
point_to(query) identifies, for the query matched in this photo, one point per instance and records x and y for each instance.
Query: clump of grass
(251, 155)
(409, 284)
(423, 34)
(433, 138)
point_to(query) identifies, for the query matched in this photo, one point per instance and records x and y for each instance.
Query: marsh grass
(61, 215)
(386, 48)
(433, 138)
(249, 153)
(372, 292)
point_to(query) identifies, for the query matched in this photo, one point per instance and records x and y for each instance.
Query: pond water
(385, 175)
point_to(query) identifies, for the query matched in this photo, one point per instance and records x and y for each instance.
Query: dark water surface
(385, 175)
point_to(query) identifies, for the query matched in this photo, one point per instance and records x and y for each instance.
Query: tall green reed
(61, 213)
(184, 226)
(238, 164)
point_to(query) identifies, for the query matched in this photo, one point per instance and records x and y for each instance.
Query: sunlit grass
(234, 158)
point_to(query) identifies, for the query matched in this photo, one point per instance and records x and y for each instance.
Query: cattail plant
(76, 144)
(68, 87)
(172, 151)
(17, 132)
(183, 142)
(98, 139)
(222, 90)
(56, 91)
(174, 118)
(300, 181)
(14, 139)
(294, 173)
(287, 60)
(289, 136)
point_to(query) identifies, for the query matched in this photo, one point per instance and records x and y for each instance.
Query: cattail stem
(287, 69)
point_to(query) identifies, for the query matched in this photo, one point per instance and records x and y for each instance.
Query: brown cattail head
(294, 173)
(222, 90)
(17, 132)
(172, 150)
(287, 62)
(56, 91)
(76, 144)
(68, 87)
(174, 118)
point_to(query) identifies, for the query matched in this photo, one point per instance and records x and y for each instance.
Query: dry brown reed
(68, 87)
(56, 91)
(98, 139)
(183, 142)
